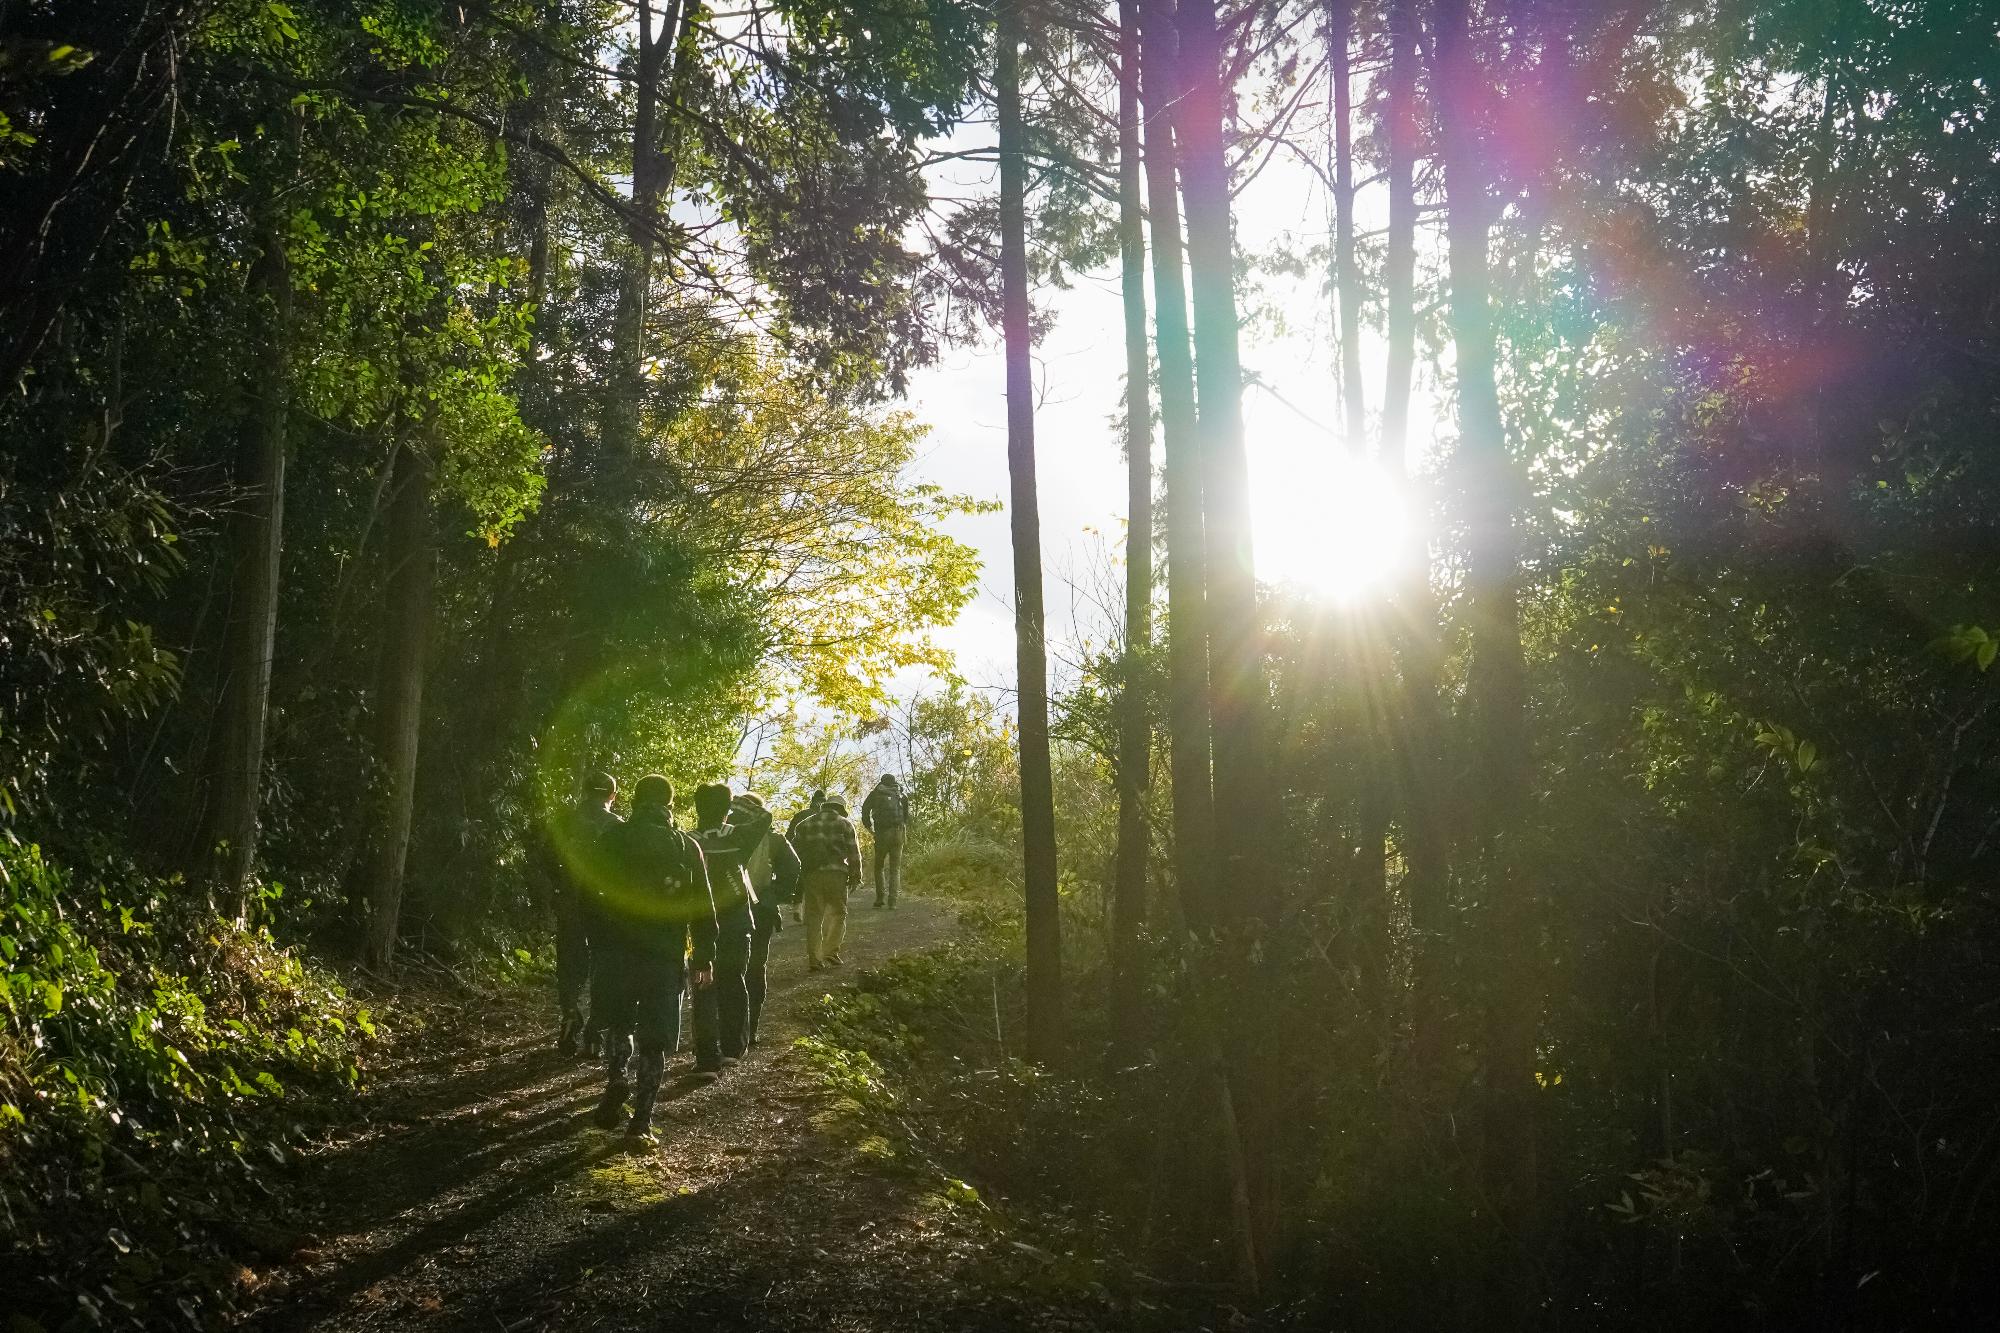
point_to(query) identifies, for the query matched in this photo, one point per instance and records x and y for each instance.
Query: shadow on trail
(477, 1195)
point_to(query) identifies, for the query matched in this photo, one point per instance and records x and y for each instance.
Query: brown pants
(826, 912)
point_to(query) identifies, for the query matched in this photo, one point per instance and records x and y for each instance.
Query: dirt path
(475, 1195)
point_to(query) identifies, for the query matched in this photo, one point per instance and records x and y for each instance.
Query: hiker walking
(722, 1010)
(774, 878)
(813, 803)
(886, 816)
(830, 860)
(659, 935)
(573, 851)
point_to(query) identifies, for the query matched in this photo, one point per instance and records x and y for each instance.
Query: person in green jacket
(659, 936)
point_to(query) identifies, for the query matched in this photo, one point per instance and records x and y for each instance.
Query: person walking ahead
(830, 856)
(722, 1012)
(573, 848)
(886, 816)
(774, 878)
(660, 933)
(813, 803)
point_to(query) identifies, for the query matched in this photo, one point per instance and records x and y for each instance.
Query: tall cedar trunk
(1038, 811)
(1414, 640)
(1243, 891)
(1128, 914)
(1400, 260)
(1371, 886)
(256, 543)
(1495, 684)
(1187, 556)
(411, 554)
(1235, 646)
(649, 182)
(1347, 273)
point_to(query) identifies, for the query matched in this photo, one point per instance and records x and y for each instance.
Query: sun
(1327, 523)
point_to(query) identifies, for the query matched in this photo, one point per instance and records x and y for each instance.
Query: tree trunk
(412, 558)
(1128, 915)
(649, 183)
(1187, 557)
(228, 846)
(1413, 617)
(1401, 257)
(1243, 891)
(1038, 812)
(1235, 646)
(1495, 685)
(1346, 273)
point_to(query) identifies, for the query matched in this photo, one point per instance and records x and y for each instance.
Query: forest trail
(472, 1192)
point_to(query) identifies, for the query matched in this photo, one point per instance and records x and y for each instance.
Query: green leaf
(1987, 651)
(1807, 753)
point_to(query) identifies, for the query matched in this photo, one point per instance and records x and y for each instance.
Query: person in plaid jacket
(830, 856)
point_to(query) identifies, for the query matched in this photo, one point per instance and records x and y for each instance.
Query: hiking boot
(731, 1061)
(701, 1078)
(835, 961)
(639, 1137)
(612, 1109)
(878, 902)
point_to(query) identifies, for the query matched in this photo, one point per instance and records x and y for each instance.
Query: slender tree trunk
(1401, 257)
(1346, 272)
(1495, 683)
(1128, 916)
(1244, 892)
(649, 183)
(1236, 703)
(1412, 621)
(1371, 879)
(411, 554)
(1038, 811)
(256, 543)
(1187, 558)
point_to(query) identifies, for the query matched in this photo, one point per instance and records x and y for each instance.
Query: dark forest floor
(471, 1192)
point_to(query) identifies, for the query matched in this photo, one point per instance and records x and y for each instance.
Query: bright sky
(1321, 519)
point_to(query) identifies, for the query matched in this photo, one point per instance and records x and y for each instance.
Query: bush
(965, 867)
(153, 1060)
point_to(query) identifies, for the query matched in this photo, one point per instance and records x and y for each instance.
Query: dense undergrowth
(157, 1063)
(1072, 1169)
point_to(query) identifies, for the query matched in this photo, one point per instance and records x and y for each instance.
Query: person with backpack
(572, 855)
(886, 816)
(774, 878)
(658, 928)
(830, 861)
(722, 1010)
(813, 803)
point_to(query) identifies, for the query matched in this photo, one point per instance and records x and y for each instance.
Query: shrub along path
(473, 1193)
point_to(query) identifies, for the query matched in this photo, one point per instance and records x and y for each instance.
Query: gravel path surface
(474, 1194)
